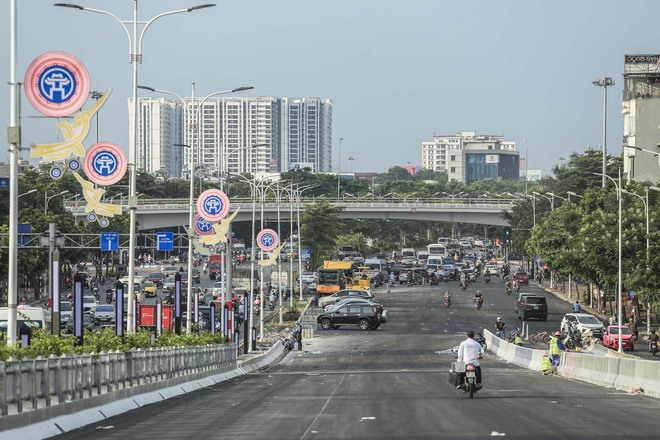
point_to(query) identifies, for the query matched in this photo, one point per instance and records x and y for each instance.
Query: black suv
(533, 307)
(365, 316)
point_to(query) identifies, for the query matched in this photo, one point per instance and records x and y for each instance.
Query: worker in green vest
(556, 347)
(546, 365)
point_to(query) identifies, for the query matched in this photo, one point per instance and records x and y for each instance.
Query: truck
(240, 279)
(215, 265)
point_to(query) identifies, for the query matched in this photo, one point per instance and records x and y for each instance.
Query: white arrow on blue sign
(165, 241)
(110, 241)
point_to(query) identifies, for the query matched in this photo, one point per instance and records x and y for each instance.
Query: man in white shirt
(469, 352)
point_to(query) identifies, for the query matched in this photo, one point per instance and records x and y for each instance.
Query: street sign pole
(55, 292)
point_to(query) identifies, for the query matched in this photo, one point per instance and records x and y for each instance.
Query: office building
(467, 157)
(641, 113)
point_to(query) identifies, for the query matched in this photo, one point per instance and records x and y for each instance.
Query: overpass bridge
(164, 213)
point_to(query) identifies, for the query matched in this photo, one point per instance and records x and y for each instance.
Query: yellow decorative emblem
(221, 229)
(271, 256)
(93, 197)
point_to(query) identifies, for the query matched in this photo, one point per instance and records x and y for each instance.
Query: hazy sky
(397, 71)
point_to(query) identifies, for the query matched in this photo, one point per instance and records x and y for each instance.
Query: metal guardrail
(32, 384)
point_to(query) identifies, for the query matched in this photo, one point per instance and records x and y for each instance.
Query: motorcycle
(271, 304)
(468, 379)
(573, 338)
(507, 288)
(487, 278)
(478, 302)
(653, 347)
(257, 310)
(481, 339)
(108, 295)
(463, 285)
(516, 286)
(447, 300)
(434, 280)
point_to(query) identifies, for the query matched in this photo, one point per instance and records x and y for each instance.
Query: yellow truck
(336, 275)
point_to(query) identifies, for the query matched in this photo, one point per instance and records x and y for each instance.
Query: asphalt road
(392, 384)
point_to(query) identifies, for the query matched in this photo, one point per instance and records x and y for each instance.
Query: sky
(396, 71)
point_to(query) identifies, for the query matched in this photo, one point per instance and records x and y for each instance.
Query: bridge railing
(148, 204)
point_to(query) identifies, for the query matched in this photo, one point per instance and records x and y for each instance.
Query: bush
(44, 344)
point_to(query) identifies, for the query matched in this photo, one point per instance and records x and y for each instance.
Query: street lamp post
(604, 82)
(620, 307)
(135, 58)
(26, 193)
(552, 203)
(339, 169)
(47, 199)
(350, 162)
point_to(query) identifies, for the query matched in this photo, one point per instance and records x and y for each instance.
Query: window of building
(453, 158)
(453, 169)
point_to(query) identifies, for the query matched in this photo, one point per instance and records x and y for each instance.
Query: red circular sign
(203, 226)
(57, 84)
(213, 205)
(267, 240)
(105, 163)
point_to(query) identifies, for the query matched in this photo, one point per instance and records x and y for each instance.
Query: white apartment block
(467, 157)
(160, 129)
(254, 135)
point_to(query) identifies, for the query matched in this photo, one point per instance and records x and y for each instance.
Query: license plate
(471, 374)
(536, 307)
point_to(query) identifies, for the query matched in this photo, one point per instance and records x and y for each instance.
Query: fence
(43, 383)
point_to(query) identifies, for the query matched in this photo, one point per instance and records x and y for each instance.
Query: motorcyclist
(478, 298)
(653, 337)
(447, 298)
(487, 273)
(469, 352)
(500, 328)
(463, 279)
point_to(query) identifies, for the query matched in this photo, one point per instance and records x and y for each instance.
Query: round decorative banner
(203, 226)
(105, 163)
(267, 240)
(213, 205)
(57, 84)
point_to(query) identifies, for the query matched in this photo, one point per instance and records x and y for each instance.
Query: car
(308, 277)
(156, 277)
(522, 277)
(349, 300)
(492, 268)
(169, 270)
(533, 307)
(87, 322)
(168, 286)
(195, 276)
(89, 304)
(150, 289)
(365, 316)
(66, 312)
(217, 289)
(331, 299)
(521, 295)
(86, 278)
(584, 322)
(104, 314)
(611, 338)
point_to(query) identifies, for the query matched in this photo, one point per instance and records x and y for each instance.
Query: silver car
(104, 314)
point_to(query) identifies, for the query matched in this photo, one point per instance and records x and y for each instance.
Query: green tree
(320, 227)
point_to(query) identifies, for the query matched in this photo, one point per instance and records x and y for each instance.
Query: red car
(611, 338)
(522, 277)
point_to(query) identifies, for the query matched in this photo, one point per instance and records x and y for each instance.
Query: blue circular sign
(267, 240)
(57, 84)
(203, 226)
(213, 205)
(105, 163)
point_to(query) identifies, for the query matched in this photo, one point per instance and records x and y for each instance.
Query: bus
(436, 249)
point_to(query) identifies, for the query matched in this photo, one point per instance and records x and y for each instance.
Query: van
(375, 264)
(422, 256)
(33, 317)
(533, 307)
(434, 260)
(409, 253)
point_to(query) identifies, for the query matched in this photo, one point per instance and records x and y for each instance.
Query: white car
(169, 271)
(584, 322)
(89, 304)
(494, 272)
(217, 289)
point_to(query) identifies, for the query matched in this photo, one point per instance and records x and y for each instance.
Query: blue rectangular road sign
(24, 234)
(165, 241)
(4, 183)
(305, 254)
(110, 241)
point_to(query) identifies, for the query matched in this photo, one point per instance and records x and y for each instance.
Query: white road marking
(368, 418)
(497, 434)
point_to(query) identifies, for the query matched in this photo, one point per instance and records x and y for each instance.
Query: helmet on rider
(499, 319)
(557, 333)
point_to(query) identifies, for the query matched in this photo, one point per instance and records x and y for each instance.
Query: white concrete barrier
(521, 356)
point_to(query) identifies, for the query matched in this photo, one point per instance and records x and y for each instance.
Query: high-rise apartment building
(467, 157)
(641, 113)
(240, 135)
(160, 129)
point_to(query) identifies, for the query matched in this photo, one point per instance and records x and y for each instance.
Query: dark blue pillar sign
(119, 312)
(177, 303)
(212, 317)
(78, 284)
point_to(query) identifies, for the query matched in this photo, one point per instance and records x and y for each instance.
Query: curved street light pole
(604, 82)
(135, 58)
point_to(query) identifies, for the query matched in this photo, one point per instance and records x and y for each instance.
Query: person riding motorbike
(478, 299)
(500, 328)
(447, 298)
(653, 337)
(469, 352)
(271, 300)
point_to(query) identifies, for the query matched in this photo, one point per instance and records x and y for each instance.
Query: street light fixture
(553, 195)
(552, 204)
(571, 193)
(26, 193)
(47, 199)
(339, 169)
(604, 82)
(135, 58)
